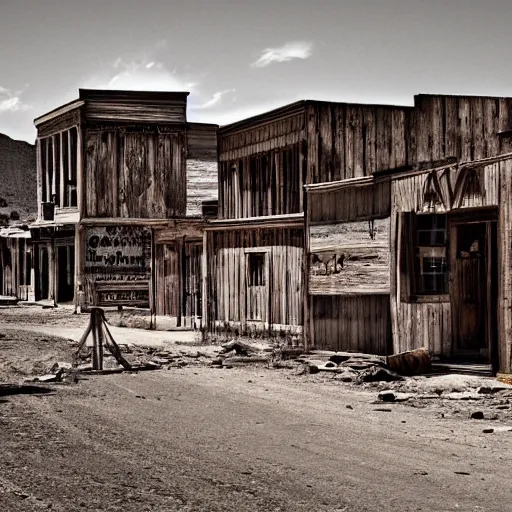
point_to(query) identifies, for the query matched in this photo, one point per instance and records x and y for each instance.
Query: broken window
(431, 255)
(256, 269)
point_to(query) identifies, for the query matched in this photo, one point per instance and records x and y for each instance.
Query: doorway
(257, 286)
(473, 289)
(65, 273)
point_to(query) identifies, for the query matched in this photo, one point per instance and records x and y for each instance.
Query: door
(192, 285)
(473, 289)
(257, 286)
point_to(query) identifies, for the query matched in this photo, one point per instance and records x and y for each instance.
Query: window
(431, 255)
(256, 269)
(58, 161)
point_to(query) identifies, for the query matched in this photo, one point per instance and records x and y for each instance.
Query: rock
(378, 374)
(463, 395)
(61, 366)
(488, 430)
(477, 415)
(151, 364)
(349, 407)
(160, 360)
(393, 396)
(347, 376)
(493, 388)
(216, 362)
(85, 367)
(51, 377)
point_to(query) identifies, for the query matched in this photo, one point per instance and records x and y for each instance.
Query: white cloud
(214, 100)
(140, 74)
(290, 51)
(11, 101)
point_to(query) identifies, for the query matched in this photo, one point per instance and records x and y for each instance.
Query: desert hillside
(18, 191)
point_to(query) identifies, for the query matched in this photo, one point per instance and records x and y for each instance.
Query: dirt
(260, 437)
(24, 354)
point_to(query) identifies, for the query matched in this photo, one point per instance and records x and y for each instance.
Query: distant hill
(18, 189)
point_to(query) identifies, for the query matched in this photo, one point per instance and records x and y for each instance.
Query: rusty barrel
(412, 362)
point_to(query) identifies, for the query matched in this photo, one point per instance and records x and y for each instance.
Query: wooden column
(308, 331)
(80, 175)
(39, 170)
(54, 191)
(204, 284)
(70, 164)
(62, 183)
(47, 172)
(52, 295)
(79, 265)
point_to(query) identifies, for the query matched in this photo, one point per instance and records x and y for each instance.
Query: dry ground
(245, 439)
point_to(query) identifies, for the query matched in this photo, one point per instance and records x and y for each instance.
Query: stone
(51, 377)
(393, 396)
(477, 415)
(377, 374)
(61, 366)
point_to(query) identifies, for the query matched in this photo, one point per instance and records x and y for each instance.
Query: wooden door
(257, 283)
(192, 285)
(470, 265)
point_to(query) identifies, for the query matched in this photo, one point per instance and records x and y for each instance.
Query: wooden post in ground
(97, 338)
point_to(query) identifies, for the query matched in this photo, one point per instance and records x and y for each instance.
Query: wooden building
(16, 269)
(254, 250)
(121, 179)
(408, 245)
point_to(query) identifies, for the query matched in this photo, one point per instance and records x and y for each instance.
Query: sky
(239, 58)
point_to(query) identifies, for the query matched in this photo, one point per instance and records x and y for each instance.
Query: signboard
(118, 248)
(118, 264)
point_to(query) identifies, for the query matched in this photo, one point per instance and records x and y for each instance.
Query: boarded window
(256, 269)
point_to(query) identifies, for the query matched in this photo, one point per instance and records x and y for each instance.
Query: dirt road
(241, 440)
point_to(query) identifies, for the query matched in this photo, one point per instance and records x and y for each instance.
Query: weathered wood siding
(202, 175)
(241, 142)
(461, 127)
(130, 106)
(505, 267)
(135, 174)
(265, 184)
(350, 203)
(428, 322)
(262, 167)
(349, 258)
(178, 285)
(227, 287)
(349, 141)
(354, 323)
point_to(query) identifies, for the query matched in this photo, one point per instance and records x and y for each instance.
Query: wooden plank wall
(268, 183)
(347, 141)
(429, 322)
(348, 204)
(226, 286)
(505, 270)
(350, 141)
(354, 323)
(135, 174)
(462, 127)
(129, 106)
(262, 138)
(201, 167)
(349, 258)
